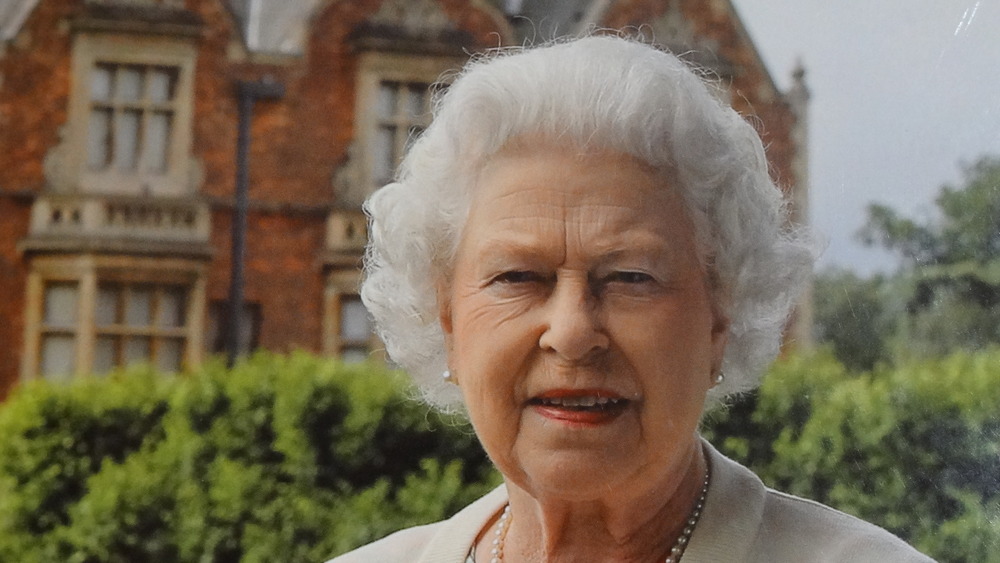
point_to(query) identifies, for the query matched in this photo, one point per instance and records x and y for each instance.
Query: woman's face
(579, 323)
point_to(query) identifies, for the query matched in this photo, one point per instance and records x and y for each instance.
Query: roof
(274, 27)
(281, 27)
(270, 26)
(541, 20)
(12, 16)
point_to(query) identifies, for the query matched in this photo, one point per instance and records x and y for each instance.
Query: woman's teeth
(580, 402)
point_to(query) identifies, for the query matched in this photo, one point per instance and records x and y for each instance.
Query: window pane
(61, 305)
(415, 101)
(213, 335)
(127, 139)
(57, 357)
(171, 311)
(158, 141)
(169, 355)
(107, 305)
(136, 350)
(385, 105)
(105, 354)
(354, 354)
(161, 84)
(129, 84)
(100, 83)
(384, 155)
(99, 138)
(354, 324)
(139, 307)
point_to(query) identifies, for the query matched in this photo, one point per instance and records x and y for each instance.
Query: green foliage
(967, 230)
(950, 280)
(297, 458)
(914, 448)
(52, 442)
(853, 318)
(282, 458)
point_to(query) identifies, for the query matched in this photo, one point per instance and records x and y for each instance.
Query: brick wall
(33, 93)
(298, 143)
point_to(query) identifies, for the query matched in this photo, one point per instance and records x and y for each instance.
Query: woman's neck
(640, 524)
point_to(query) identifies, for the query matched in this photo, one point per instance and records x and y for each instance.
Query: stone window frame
(375, 68)
(93, 48)
(343, 286)
(88, 271)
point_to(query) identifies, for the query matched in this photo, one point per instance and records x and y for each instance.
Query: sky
(903, 93)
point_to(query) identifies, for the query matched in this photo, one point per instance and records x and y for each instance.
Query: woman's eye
(518, 277)
(630, 277)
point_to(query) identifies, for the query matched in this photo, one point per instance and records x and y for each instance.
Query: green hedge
(282, 459)
(915, 449)
(295, 458)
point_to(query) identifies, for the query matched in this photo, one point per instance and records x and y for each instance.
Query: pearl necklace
(496, 554)
(678, 549)
(503, 526)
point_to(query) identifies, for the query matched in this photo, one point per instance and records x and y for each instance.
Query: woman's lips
(579, 406)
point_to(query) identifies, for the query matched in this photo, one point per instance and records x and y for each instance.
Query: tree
(968, 229)
(951, 265)
(853, 318)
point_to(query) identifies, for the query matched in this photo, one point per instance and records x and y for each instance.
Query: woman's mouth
(579, 407)
(579, 403)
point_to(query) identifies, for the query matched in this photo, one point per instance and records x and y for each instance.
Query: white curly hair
(605, 92)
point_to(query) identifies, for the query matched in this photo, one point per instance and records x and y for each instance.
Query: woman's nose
(573, 328)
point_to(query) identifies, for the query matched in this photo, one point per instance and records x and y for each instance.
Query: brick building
(118, 133)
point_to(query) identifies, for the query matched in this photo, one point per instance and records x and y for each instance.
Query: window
(59, 327)
(348, 332)
(402, 111)
(131, 117)
(133, 323)
(394, 92)
(140, 323)
(92, 314)
(354, 335)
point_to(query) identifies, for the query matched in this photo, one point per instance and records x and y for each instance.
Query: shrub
(295, 458)
(54, 439)
(915, 449)
(283, 458)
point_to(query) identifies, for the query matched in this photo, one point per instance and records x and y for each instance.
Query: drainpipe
(246, 94)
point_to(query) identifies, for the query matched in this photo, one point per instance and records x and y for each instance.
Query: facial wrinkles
(566, 225)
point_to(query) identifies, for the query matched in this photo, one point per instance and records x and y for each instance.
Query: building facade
(119, 126)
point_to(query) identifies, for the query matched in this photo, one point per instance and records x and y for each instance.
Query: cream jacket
(743, 521)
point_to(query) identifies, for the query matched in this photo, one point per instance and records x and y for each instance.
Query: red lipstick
(586, 407)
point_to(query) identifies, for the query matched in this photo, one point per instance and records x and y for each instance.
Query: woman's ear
(720, 336)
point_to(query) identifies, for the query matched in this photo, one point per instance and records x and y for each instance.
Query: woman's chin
(577, 478)
(580, 469)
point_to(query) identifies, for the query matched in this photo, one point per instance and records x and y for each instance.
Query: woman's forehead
(605, 199)
(544, 172)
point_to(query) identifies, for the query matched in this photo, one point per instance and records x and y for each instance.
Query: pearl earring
(447, 376)
(720, 378)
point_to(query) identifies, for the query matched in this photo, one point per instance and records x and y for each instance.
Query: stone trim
(88, 270)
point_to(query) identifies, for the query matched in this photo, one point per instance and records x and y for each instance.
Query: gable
(13, 13)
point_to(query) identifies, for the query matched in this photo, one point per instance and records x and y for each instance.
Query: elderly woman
(587, 245)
